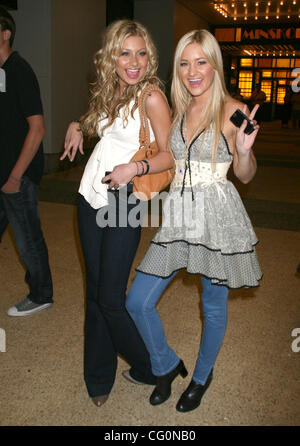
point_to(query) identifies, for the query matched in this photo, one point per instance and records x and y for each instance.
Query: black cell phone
(237, 119)
(107, 181)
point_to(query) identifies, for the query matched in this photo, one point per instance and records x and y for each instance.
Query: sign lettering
(268, 34)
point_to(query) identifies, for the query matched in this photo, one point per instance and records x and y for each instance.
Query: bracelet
(137, 168)
(143, 173)
(77, 120)
(147, 166)
(140, 174)
(14, 179)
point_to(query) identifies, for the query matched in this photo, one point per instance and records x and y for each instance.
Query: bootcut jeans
(109, 330)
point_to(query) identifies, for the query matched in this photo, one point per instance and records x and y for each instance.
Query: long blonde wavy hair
(102, 103)
(213, 112)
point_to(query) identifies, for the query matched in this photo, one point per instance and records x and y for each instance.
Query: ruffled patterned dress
(205, 226)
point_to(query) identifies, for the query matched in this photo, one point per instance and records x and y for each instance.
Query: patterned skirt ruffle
(232, 270)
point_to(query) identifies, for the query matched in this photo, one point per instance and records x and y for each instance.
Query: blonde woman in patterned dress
(205, 228)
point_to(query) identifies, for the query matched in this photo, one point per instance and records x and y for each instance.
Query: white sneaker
(27, 307)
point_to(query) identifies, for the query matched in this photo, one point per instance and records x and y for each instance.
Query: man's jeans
(20, 209)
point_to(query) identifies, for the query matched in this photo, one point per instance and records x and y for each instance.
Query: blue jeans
(141, 301)
(20, 209)
(109, 330)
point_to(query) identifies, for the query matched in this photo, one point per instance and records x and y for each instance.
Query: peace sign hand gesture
(245, 142)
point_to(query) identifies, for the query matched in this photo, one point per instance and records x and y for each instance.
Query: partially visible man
(21, 166)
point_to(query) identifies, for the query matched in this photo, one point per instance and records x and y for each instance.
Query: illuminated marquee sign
(248, 34)
(268, 34)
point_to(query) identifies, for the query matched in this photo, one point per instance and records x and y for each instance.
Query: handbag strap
(144, 135)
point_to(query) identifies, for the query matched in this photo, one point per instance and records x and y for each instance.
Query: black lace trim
(227, 145)
(204, 246)
(188, 166)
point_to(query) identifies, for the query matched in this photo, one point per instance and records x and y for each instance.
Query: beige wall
(185, 20)
(58, 38)
(75, 36)
(157, 16)
(32, 41)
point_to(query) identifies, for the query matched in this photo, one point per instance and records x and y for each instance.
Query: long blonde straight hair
(181, 97)
(102, 103)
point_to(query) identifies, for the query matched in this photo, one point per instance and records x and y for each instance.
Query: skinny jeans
(141, 302)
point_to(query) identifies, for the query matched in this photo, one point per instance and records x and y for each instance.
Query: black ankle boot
(162, 390)
(191, 397)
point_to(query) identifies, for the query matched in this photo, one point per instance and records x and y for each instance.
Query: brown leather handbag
(147, 186)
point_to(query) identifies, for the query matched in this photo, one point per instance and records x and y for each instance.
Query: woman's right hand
(73, 141)
(120, 175)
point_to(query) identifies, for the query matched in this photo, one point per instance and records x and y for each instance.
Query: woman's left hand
(245, 142)
(121, 175)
